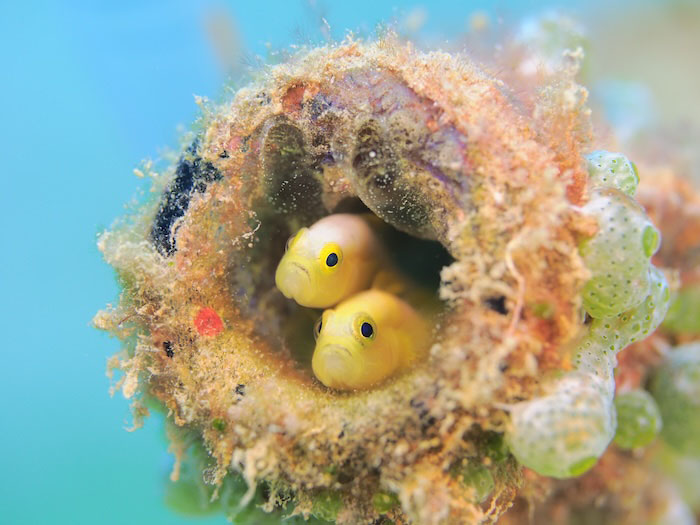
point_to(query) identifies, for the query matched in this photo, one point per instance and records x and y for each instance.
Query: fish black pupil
(332, 259)
(366, 329)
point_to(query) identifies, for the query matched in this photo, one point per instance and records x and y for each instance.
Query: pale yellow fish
(333, 259)
(367, 339)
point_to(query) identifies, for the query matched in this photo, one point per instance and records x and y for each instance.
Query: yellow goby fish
(366, 339)
(335, 258)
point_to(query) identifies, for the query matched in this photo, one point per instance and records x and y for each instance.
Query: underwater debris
(444, 152)
(168, 347)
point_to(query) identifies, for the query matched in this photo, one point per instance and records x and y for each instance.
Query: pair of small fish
(367, 333)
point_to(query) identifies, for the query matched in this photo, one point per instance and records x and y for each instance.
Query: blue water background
(88, 90)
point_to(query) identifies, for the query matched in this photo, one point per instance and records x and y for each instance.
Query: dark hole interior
(419, 259)
(497, 304)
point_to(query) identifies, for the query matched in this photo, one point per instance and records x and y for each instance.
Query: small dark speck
(342, 434)
(498, 304)
(240, 390)
(345, 477)
(224, 154)
(416, 403)
(168, 347)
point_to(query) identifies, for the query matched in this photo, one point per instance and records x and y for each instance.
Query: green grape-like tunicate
(563, 433)
(651, 239)
(618, 254)
(326, 505)
(683, 316)
(479, 480)
(383, 502)
(612, 170)
(231, 494)
(595, 353)
(638, 419)
(616, 333)
(593, 358)
(676, 389)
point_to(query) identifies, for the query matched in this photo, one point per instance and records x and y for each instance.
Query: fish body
(333, 259)
(366, 339)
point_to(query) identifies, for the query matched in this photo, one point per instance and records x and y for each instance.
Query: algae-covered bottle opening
(382, 285)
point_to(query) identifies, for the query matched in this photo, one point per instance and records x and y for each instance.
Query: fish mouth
(336, 349)
(333, 365)
(300, 267)
(290, 280)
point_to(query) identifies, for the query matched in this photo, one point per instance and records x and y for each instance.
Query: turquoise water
(86, 93)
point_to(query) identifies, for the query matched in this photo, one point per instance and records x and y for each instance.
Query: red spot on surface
(208, 322)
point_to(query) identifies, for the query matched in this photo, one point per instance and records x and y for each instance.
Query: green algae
(684, 313)
(383, 501)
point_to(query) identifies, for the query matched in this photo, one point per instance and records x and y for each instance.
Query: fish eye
(317, 327)
(364, 327)
(330, 257)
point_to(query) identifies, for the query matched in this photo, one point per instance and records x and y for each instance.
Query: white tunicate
(616, 333)
(563, 433)
(618, 254)
(612, 170)
(593, 359)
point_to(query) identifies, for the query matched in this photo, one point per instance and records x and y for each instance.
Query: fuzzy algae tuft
(438, 149)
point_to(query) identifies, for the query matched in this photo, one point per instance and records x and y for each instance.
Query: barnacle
(489, 184)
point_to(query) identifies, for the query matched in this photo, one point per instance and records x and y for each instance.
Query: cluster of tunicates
(563, 432)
